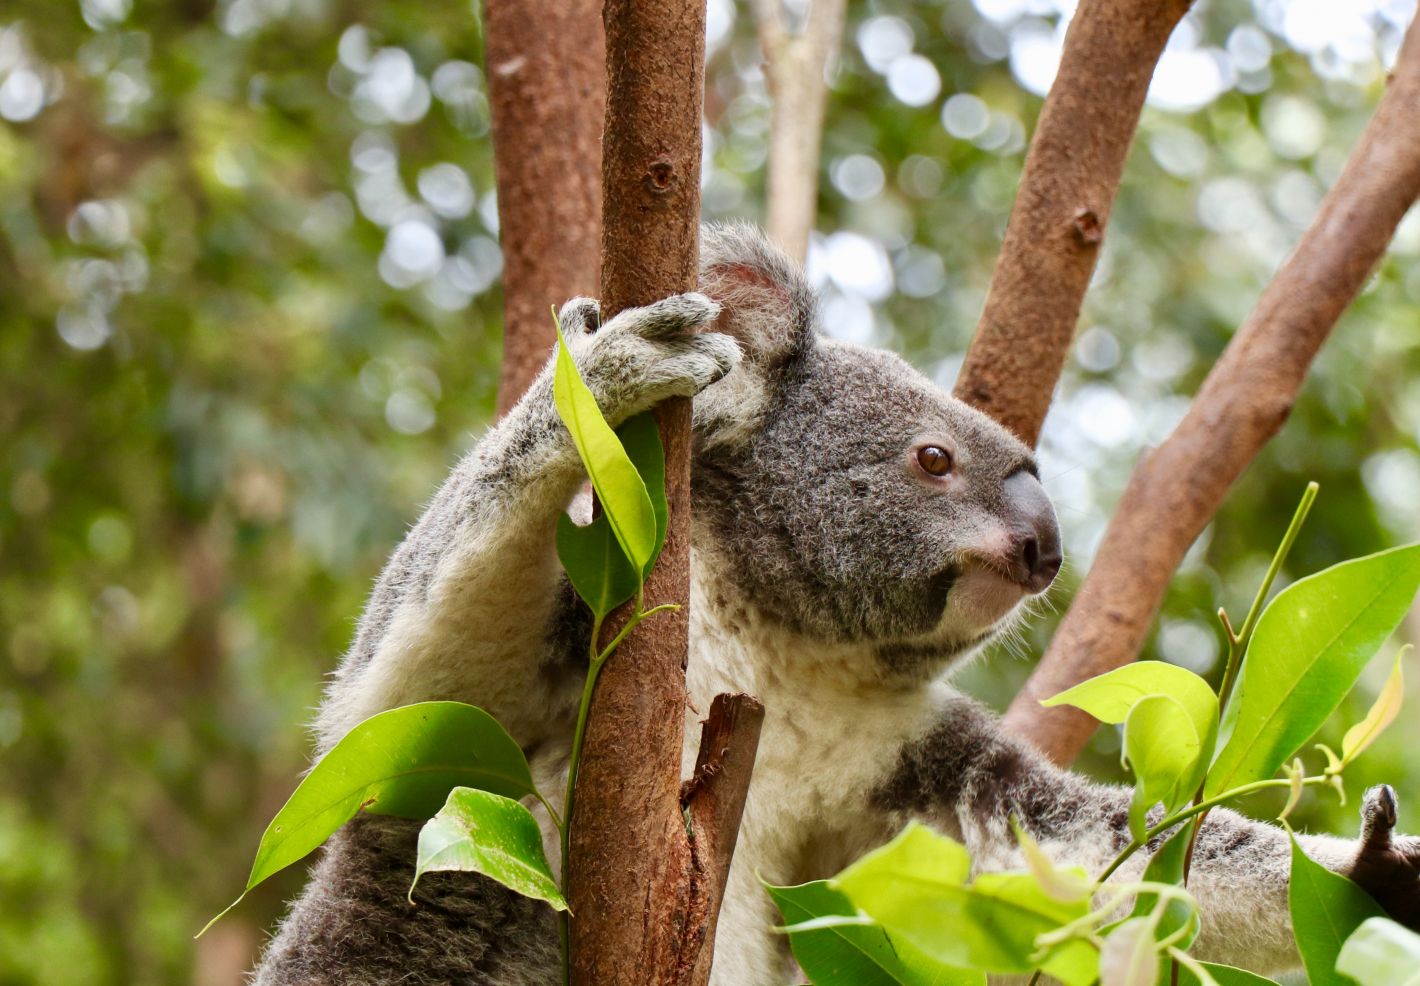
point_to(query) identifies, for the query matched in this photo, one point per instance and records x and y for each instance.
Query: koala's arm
(969, 778)
(465, 608)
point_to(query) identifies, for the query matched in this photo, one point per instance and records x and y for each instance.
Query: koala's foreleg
(468, 605)
(970, 779)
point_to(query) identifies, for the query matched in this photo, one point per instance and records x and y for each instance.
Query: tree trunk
(547, 86)
(1056, 227)
(1176, 489)
(643, 894)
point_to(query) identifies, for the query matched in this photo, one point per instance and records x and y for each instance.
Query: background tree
(250, 310)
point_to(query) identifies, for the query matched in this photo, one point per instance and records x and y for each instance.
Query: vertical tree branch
(1057, 224)
(638, 882)
(547, 86)
(795, 63)
(1245, 399)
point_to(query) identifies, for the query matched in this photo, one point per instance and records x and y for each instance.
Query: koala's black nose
(1035, 534)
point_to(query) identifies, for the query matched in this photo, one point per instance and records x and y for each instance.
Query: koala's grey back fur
(831, 576)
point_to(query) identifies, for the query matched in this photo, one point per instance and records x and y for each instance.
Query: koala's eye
(934, 460)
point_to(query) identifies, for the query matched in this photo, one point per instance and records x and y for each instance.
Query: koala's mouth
(983, 594)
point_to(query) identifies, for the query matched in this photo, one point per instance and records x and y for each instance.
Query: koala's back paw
(1387, 865)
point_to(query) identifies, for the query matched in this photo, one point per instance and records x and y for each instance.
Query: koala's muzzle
(1035, 536)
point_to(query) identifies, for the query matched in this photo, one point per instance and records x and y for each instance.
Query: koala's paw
(645, 355)
(1387, 866)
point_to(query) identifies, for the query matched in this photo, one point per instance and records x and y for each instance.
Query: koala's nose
(1035, 534)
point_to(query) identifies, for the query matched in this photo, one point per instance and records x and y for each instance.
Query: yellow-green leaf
(1381, 715)
(620, 489)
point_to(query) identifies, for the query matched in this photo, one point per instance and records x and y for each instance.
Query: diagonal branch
(1057, 224)
(1176, 489)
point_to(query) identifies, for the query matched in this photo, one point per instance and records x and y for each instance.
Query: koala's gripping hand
(1387, 866)
(645, 355)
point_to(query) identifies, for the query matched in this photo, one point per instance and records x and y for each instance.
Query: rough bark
(795, 63)
(547, 87)
(642, 890)
(1176, 489)
(1057, 224)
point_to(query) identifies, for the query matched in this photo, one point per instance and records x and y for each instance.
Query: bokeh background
(250, 314)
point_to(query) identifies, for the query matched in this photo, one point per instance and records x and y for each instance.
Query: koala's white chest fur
(829, 729)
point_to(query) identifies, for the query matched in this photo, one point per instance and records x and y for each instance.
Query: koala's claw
(1387, 866)
(669, 317)
(580, 316)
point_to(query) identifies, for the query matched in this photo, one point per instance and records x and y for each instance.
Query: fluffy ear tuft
(767, 304)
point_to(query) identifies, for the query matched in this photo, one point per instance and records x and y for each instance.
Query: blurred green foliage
(249, 314)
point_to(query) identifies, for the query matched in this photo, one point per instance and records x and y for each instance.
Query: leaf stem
(1192, 810)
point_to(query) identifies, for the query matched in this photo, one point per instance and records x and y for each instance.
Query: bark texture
(795, 64)
(547, 87)
(643, 892)
(1057, 224)
(1243, 402)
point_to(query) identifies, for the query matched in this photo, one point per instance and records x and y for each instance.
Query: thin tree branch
(642, 894)
(1176, 489)
(714, 799)
(547, 87)
(1057, 224)
(795, 64)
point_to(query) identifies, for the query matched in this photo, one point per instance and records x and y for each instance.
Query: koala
(857, 534)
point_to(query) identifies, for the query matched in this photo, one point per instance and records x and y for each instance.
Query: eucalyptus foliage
(1294, 661)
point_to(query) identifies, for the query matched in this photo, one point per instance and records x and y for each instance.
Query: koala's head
(845, 496)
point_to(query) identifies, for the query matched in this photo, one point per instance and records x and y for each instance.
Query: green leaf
(620, 489)
(1309, 647)
(1110, 696)
(914, 887)
(480, 832)
(856, 955)
(1381, 953)
(402, 762)
(590, 554)
(1224, 975)
(1164, 750)
(1326, 908)
(641, 437)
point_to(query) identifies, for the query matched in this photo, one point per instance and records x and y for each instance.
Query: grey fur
(830, 576)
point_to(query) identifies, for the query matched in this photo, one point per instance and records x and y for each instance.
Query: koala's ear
(767, 304)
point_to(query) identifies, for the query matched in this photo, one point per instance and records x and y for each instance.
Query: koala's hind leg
(356, 927)
(468, 604)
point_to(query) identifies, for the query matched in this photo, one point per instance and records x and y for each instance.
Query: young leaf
(914, 888)
(1071, 884)
(1163, 749)
(856, 955)
(590, 554)
(1110, 696)
(1381, 715)
(1326, 908)
(402, 762)
(480, 832)
(619, 487)
(1381, 953)
(1129, 956)
(1309, 647)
